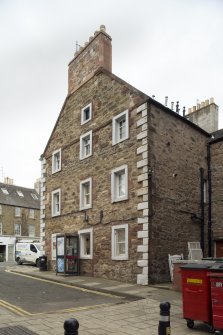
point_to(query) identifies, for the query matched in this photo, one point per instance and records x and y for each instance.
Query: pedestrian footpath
(140, 313)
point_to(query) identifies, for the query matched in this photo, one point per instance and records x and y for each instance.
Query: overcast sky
(164, 48)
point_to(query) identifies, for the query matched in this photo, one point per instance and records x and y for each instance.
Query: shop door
(219, 249)
(11, 256)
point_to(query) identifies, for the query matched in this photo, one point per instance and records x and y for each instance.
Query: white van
(28, 252)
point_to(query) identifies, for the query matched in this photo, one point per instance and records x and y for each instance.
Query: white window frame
(124, 256)
(31, 213)
(116, 127)
(115, 185)
(56, 212)
(18, 211)
(1, 228)
(83, 110)
(83, 205)
(33, 230)
(83, 138)
(56, 163)
(20, 193)
(20, 229)
(82, 235)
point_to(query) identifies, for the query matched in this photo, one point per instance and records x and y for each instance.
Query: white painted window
(86, 114)
(32, 230)
(17, 229)
(120, 127)
(53, 246)
(17, 211)
(0, 209)
(4, 190)
(120, 242)
(56, 161)
(0, 228)
(86, 243)
(56, 199)
(34, 196)
(86, 145)
(119, 183)
(86, 194)
(31, 213)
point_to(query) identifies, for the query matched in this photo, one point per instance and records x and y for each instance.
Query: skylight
(4, 190)
(34, 196)
(20, 193)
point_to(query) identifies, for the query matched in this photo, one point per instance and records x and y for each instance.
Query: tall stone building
(19, 217)
(122, 171)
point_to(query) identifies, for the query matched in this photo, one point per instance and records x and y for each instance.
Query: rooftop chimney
(95, 53)
(205, 115)
(8, 181)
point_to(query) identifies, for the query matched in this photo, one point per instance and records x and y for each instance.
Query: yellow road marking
(14, 308)
(64, 285)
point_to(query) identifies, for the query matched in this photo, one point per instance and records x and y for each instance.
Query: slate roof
(28, 197)
(217, 136)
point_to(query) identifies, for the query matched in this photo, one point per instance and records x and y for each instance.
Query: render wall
(177, 152)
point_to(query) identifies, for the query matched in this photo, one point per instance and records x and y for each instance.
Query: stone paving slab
(16, 330)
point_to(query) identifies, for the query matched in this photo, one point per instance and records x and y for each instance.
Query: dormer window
(56, 161)
(86, 114)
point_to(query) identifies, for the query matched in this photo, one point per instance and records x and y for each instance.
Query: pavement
(138, 313)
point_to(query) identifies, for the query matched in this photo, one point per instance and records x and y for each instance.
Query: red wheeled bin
(216, 280)
(196, 294)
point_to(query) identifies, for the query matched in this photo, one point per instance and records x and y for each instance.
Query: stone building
(215, 223)
(124, 172)
(19, 217)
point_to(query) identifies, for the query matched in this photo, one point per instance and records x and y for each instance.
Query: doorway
(219, 249)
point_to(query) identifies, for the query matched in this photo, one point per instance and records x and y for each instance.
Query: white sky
(164, 48)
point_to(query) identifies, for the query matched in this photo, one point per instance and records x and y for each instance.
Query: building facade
(124, 172)
(19, 217)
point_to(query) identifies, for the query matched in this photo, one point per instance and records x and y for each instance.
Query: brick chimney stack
(96, 53)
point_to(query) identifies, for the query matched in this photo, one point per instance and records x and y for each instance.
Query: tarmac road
(35, 295)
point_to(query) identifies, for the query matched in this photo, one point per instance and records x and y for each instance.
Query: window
(0, 209)
(86, 145)
(20, 193)
(4, 190)
(85, 194)
(86, 243)
(119, 183)
(34, 196)
(32, 230)
(18, 211)
(120, 242)
(86, 114)
(120, 128)
(56, 202)
(56, 161)
(0, 228)
(31, 213)
(17, 228)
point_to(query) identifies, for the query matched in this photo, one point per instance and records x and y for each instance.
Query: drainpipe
(202, 207)
(209, 201)
(150, 251)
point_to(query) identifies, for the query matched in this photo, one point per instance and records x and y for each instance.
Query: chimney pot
(102, 28)
(211, 100)
(194, 108)
(207, 102)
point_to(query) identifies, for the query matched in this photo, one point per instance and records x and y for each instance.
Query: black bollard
(164, 323)
(71, 327)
